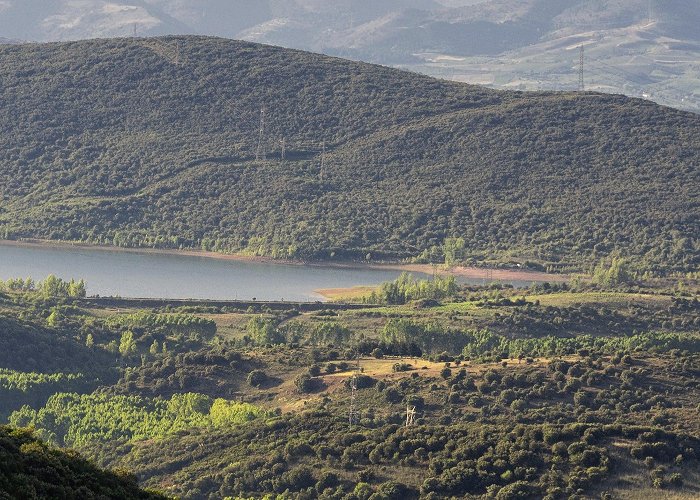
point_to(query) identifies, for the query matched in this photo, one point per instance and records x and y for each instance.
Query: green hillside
(557, 391)
(153, 143)
(31, 469)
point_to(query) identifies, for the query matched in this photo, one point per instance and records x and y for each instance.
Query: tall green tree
(454, 249)
(127, 344)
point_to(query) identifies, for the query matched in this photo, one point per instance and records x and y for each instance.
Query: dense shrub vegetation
(31, 469)
(52, 286)
(501, 461)
(29, 346)
(581, 389)
(407, 288)
(79, 420)
(18, 389)
(111, 142)
(428, 389)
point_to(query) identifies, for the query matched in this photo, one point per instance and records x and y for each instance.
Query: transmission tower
(260, 153)
(410, 416)
(283, 147)
(323, 160)
(581, 84)
(169, 51)
(354, 415)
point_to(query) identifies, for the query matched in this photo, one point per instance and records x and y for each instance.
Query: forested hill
(31, 469)
(152, 142)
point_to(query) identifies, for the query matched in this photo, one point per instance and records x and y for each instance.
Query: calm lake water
(144, 275)
(149, 275)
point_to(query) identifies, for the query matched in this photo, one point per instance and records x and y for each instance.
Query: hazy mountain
(50, 20)
(636, 47)
(646, 48)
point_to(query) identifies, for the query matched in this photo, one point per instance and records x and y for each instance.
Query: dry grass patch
(352, 294)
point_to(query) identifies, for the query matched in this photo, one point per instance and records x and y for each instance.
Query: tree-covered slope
(28, 346)
(31, 469)
(153, 143)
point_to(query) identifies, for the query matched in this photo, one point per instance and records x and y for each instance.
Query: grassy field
(354, 294)
(599, 298)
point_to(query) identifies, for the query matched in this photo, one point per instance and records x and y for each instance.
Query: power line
(581, 83)
(169, 51)
(410, 416)
(260, 153)
(323, 160)
(354, 414)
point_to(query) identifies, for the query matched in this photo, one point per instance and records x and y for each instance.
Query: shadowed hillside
(31, 469)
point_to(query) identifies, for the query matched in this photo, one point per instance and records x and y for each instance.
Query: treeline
(265, 331)
(52, 286)
(146, 334)
(218, 372)
(402, 336)
(407, 288)
(171, 322)
(49, 334)
(28, 345)
(18, 389)
(599, 320)
(75, 420)
(11, 380)
(485, 345)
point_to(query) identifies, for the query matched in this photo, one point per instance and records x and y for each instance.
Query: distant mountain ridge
(636, 47)
(156, 143)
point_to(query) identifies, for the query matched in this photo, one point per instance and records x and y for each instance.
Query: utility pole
(410, 416)
(581, 84)
(260, 153)
(353, 400)
(323, 159)
(354, 415)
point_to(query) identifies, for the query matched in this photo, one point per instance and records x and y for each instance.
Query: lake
(172, 276)
(150, 275)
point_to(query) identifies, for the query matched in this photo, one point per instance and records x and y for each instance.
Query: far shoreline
(493, 274)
